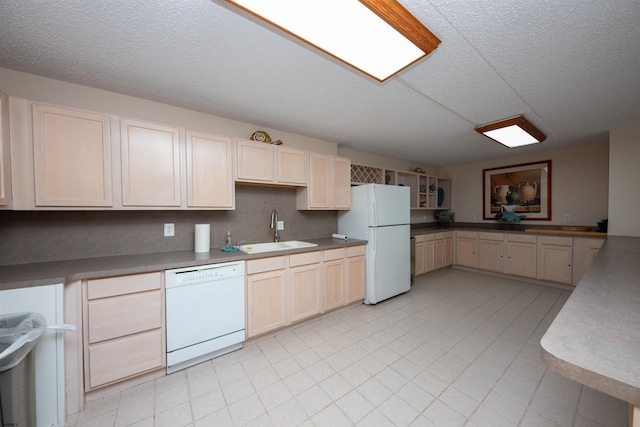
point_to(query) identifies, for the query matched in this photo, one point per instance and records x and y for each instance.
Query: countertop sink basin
(256, 248)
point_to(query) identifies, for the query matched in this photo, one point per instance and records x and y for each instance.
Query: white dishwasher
(204, 313)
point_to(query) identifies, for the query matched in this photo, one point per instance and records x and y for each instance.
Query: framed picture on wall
(523, 189)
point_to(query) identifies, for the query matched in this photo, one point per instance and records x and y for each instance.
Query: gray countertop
(46, 273)
(595, 339)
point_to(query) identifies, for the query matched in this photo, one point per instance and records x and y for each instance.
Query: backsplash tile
(27, 237)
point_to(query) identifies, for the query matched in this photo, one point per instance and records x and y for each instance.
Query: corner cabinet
(72, 157)
(150, 164)
(329, 185)
(209, 171)
(123, 320)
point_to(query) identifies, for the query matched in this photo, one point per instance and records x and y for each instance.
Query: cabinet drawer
(265, 264)
(420, 238)
(558, 241)
(490, 236)
(355, 251)
(467, 234)
(305, 258)
(522, 238)
(111, 286)
(119, 359)
(332, 254)
(430, 237)
(116, 317)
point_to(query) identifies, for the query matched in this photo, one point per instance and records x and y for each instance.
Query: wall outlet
(280, 225)
(567, 218)
(473, 217)
(169, 230)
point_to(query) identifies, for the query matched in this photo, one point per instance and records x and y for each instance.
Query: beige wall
(29, 86)
(580, 184)
(624, 176)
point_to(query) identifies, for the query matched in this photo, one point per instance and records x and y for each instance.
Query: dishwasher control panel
(203, 273)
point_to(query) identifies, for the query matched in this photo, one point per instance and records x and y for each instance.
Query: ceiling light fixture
(512, 132)
(377, 37)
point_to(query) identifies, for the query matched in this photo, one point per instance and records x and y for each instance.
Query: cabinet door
(439, 254)
(341, 199)
(333, 277)
(419, 259)
(254, 161)
(319, 181)
(490, 255)
(292, 166)
(522, 259)
(466, 252)
(305, 291)
(72, 158)
(209, 171)
(355, 278)
(430, 255)
(448, 251)
(266, 299)
(5, 172)
(150, 164)
(555, 263)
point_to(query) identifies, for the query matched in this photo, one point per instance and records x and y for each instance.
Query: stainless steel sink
(256, 248)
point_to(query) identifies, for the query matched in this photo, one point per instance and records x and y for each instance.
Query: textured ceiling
(572, 67)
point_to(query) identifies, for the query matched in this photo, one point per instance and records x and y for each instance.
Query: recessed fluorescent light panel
(513, 132)
(377, 37)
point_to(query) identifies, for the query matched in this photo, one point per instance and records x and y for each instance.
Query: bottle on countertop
(229, 238)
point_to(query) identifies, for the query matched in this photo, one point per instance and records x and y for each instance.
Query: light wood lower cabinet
(433, 251)
(266, 295)
(522, 255)
(334, 277)
(466, 249)
(305, 278)
(491, 251)
(356, 273)
(556, 258)
(123, 328)
(287, 289)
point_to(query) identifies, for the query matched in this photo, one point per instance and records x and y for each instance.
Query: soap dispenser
(229, 238)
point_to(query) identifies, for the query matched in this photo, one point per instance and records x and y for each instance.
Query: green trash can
(19, 334)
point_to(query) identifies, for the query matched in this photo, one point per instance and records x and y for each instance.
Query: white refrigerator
(381, 215)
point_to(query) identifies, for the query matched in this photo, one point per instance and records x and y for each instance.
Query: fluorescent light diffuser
(513, 132)
(377, 37)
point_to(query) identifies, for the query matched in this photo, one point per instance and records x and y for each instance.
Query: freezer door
(389, 205)
(388, 263)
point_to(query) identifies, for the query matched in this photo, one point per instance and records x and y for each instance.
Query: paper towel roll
(202, 237)
(339, 236)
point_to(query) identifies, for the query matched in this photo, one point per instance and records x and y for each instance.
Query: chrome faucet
(274, 225)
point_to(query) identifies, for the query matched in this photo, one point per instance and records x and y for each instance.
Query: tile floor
(460, 349)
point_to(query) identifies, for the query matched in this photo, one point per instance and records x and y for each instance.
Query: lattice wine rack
(361, 174)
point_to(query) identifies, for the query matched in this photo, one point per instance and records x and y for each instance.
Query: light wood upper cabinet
(255, 161)
(5, 163)
(292, 166)
(209, 171)
(150, 164)
(72, 158)
(329, 184)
